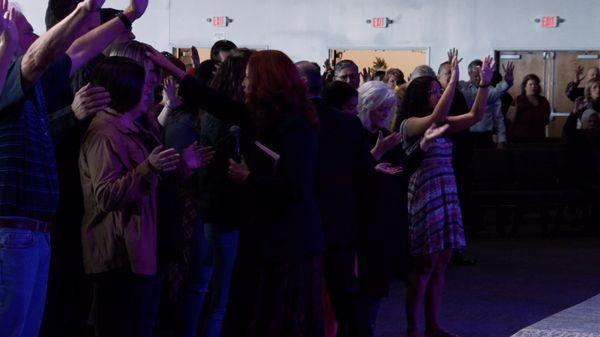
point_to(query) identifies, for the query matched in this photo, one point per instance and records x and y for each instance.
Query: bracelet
(125, 20)
(485, 85)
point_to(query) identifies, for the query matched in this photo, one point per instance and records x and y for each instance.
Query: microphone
(234, 131)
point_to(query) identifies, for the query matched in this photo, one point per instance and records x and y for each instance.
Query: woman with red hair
(277, 287)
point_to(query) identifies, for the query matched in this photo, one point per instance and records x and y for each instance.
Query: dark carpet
(516, 283)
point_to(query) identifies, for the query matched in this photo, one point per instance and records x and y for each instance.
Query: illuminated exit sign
(219, 21)
(379, 22)
(549, 21)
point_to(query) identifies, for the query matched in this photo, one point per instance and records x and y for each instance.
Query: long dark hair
(276, 89)
(416, 100)
(228, 79)
(532, 77)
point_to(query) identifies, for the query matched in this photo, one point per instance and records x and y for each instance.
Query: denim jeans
(223, 245)
(192, 296)
(24, 265)
(213, 256)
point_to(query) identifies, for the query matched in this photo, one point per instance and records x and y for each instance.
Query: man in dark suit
(343, 168)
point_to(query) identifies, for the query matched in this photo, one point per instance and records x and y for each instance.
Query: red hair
(276, 88)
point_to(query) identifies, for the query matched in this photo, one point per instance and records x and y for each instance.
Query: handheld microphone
(234, 131)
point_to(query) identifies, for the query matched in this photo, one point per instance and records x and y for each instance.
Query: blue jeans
(224, 251)
(24, 265)
(192, 296)
(213, 256)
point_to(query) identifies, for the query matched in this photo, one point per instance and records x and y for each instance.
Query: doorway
(405, 59)
(556, 68)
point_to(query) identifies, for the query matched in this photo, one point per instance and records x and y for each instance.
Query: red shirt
(530, 120)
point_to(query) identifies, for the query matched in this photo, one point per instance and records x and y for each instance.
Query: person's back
(342, 170)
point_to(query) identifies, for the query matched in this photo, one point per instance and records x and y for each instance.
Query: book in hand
(266, 158)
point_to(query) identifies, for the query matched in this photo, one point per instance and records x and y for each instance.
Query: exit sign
(219, 21)
(379, 22)
(549, 21)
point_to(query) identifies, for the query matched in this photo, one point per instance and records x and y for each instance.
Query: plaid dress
(435, 220)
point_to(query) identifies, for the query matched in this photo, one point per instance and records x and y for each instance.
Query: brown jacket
(119, 189)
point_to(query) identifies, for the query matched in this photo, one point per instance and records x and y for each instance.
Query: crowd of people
(245, 196)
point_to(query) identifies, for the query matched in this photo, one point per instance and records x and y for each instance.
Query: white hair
(586, 116)
(373, 95)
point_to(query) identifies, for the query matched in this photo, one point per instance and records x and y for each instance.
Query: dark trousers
(355, 311)
(482, 140)
(125, 304)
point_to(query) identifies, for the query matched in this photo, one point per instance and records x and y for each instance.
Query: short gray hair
(422, 71)
(373, 95)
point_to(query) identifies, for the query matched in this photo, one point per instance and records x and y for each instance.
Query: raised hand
(454, 68)
(580, 104)
(163, 160)
(162, 62)
(8, 27)
(327, 65)
(509, 72)
(366, 74)
(384, 144)
(170, 89)
(388, 169)
(88, 101)
(578, 74)
(136, 9)
(92, 5)
(195, 57)
(196, 157)
(487, 71)
(451, 53)
(433, 132)
(238, 172)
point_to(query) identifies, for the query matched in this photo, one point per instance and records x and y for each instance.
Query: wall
(306, 29)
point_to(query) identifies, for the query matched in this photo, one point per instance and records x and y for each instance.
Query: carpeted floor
(516, 283)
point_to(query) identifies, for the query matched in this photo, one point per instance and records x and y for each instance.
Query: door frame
(367, 47)
(553, 113)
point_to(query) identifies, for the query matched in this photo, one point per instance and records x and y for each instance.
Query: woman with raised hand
(277, 285)
(383, 232)
(435, 221)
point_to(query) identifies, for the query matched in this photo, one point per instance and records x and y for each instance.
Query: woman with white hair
(385, 223)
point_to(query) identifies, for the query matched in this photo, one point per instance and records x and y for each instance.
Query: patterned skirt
(435, 220)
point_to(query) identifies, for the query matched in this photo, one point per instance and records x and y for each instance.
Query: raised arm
(416, 126)
(46, 49)
(202, 96)
(8, 40)
(95, 41)
(464, 121)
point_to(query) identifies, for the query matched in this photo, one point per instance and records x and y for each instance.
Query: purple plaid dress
(435, 220)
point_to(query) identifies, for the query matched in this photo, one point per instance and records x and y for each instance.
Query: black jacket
(344, 167)
(282, 218)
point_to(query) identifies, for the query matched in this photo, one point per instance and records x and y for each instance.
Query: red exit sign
(219, 21)
(549, 21)
(379, 22)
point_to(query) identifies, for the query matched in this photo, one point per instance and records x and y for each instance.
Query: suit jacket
(343, 168)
